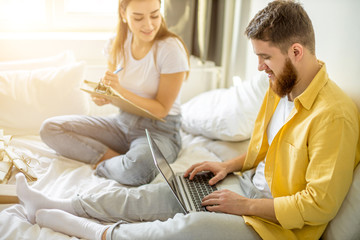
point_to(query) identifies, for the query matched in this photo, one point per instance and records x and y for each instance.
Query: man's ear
(296, 52)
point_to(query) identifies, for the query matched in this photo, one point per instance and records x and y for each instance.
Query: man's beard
(285, 82)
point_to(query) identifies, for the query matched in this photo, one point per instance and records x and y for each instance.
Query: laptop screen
(161, 162)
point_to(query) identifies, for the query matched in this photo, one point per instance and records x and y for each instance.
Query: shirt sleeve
(171, 57)
(328, 177)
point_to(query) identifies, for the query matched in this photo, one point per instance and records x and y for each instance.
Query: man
(295, 175)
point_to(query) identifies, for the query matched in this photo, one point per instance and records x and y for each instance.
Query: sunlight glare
(22, 10)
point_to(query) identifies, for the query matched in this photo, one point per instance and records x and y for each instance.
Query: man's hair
(283, 23)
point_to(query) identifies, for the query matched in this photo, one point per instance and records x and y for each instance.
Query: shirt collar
(307, 98)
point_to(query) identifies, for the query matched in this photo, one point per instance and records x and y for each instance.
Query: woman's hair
(122, 34)
(283, 23)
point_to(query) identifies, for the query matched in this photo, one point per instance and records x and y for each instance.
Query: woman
(155, 63)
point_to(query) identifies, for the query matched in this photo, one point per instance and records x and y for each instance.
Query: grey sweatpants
(152, 212)
(87, 138)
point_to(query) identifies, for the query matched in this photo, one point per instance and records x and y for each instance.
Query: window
(58, 15)
(91, 6)
(21, 14)
(85, 15)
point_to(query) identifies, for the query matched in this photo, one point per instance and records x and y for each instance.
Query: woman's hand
(111, 80)
(168, 89)
(219, 169)
(99, 100)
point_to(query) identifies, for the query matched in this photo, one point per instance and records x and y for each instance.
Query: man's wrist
(263, 208)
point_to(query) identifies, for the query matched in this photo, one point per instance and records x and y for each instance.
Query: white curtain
(236, 44)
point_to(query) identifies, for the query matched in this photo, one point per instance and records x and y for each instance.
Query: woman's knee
(135, 170)
(48, 127)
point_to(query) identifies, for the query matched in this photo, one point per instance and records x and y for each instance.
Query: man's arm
(103, 237)
(226, 201)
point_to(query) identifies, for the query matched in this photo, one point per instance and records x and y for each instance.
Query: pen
(118, 70)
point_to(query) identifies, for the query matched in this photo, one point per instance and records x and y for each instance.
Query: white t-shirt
(278, 119)
(142, 76)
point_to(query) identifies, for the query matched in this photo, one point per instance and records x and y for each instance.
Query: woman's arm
(169, 87)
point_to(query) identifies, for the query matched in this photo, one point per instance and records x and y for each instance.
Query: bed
(49, 87)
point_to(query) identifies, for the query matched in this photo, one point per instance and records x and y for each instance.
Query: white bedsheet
(63, 178)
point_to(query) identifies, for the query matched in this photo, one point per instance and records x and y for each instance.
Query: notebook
(188, 193)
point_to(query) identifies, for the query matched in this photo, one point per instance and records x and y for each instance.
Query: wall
(86, 47)
(337, 32)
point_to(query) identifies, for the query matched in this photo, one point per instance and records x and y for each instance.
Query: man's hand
(226, 201)
(219, 169)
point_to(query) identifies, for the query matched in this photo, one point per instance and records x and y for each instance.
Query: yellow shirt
(309, 165)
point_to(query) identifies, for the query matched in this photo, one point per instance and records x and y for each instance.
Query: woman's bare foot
(109, 154)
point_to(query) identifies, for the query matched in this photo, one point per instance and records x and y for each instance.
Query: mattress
(61, 177)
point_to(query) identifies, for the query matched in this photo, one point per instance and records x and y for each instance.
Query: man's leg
(34, 200)
(198, 226)
(69, 224)
(145, 203)
(203, 225)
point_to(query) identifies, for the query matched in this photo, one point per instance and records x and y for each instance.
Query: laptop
(188, 193)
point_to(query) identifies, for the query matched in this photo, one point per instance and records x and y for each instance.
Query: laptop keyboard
(199, 188)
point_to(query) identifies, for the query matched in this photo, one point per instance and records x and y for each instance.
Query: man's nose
(261, 65)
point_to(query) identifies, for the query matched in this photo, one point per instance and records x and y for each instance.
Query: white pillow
(28, 97)
(346, 223)
(61, 59)
(226, 114)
